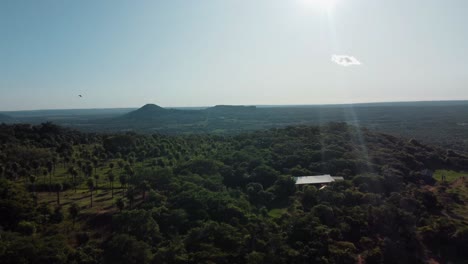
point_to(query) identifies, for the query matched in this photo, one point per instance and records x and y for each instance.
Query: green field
(449, 174)
(277, 213)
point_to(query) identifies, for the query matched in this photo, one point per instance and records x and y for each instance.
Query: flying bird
(80, 96)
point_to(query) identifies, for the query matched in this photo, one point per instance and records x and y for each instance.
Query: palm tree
(74, 210)
(44, 173)
(80, 165)
(50, 167)
(54, 163)
(35, 166)
(123, 182)
(15, 168)
(32, 179)
(74, 173)
(96, 177)
(111, 178)
(144, 187)
(89, 170)
(131, 196)
(90, 184)
(95, 163)
(58, 188)
(120, 204)
(121, 164)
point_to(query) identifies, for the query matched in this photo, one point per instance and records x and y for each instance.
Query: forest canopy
(73, 197)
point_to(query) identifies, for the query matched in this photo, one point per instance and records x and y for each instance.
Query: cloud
(345, 60)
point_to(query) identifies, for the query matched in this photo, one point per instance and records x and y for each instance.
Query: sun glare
(327, 5)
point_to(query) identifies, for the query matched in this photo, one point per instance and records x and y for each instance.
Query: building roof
(314, 179)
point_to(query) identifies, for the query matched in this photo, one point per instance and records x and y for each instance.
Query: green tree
(74, 210)
(50, 168)
(90, 184)
(144, 187)
(96, 178)
(111, 178)
(131, 196)
(95, 165)
(26, 228)
(126, 249)
(74, 173)
(120, 204)
(123, 183)
(58, 187)
(32, 179)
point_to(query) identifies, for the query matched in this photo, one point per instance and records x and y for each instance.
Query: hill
(147, 112)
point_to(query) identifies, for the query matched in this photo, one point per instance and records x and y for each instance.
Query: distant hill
(151, 116)
(5, 119)
(148, 111)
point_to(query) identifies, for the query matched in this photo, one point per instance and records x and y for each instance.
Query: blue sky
(208, 52)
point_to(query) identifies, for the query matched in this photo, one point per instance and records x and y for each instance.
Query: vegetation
(72, 197)
(441, 123)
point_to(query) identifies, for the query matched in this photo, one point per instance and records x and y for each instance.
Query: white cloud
(345, 60)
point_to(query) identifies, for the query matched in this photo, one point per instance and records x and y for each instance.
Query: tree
(35, 165)
(58, 188)
(50, 168)
(120, 204)
(137, 223)
(96, 164)
(26, 228)
(32, 179)
(129, 171)
(264, 175)
(144, 187)
(90, 184)
(96, 177)
(74, 173)
(111, 178)
(88, 170)
(126, 249)
(121, 164)
(123, 182)
(44, 173)
(131, 196)
(74, 210)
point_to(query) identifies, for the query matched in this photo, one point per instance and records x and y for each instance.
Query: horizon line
(257, 105)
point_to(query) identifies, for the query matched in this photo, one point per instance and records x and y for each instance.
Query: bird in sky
(80, 96)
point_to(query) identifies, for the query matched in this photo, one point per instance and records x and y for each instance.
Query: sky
(244, 52)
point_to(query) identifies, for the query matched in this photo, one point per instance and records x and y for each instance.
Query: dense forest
(74, 197)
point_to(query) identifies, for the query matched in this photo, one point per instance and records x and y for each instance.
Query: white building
(319, 179)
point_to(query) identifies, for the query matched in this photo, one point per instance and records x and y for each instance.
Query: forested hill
(440, 123)
(73, 197)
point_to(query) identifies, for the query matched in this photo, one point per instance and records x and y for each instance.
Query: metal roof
(314, 179)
